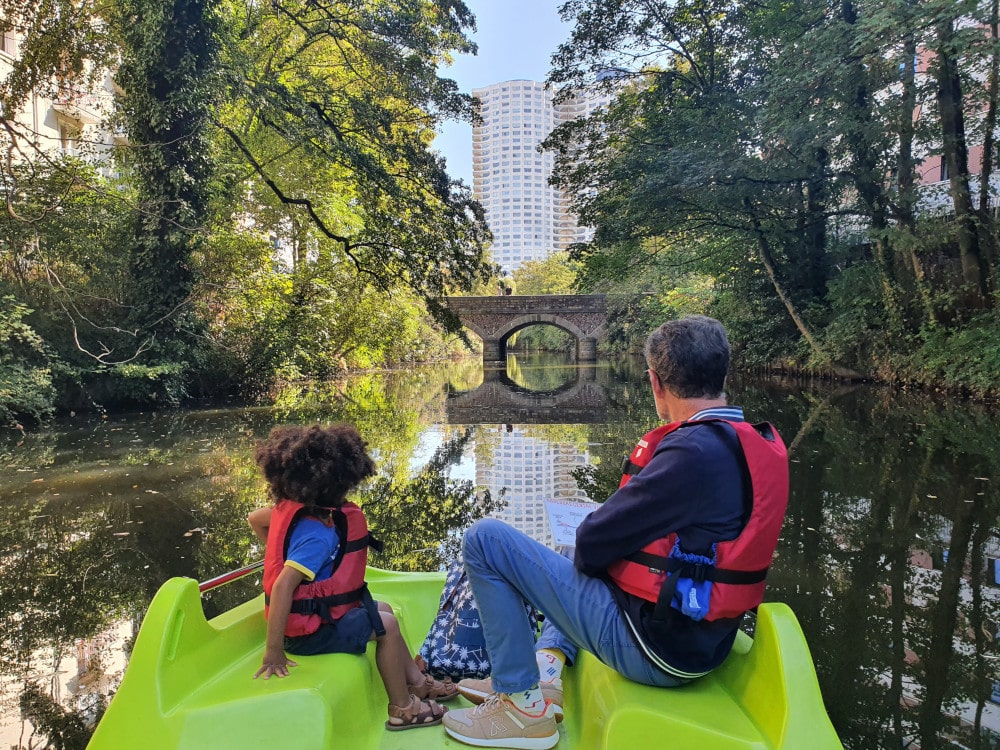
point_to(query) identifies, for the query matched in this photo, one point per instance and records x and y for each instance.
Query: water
(888, 554)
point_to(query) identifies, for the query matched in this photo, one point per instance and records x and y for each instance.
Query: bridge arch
(498, 399)
(496, 319)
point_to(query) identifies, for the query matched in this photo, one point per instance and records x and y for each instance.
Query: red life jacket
(328, 600)
(741, 564)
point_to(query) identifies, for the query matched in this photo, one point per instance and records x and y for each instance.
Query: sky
(516, 39)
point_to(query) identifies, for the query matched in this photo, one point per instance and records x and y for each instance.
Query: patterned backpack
(455, 646)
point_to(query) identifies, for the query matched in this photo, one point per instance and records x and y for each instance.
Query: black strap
(629, 468)
(356, 545)
(696, 571)
(376, 544)
(373, 614)
(319, 605)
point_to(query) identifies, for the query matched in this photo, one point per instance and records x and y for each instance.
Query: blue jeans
(506, 567)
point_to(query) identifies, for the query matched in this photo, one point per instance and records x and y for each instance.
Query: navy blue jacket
(694, 485)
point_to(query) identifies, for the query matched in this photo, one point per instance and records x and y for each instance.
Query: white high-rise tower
(529, 218)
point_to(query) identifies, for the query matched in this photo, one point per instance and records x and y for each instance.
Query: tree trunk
(989, 146)
(956, 157)
(868, 181)
(906, 174)
(767, 259)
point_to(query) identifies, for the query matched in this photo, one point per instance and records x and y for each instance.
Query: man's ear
(656, 384)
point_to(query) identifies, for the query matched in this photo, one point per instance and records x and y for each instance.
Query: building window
(69, 135)
(8, 44)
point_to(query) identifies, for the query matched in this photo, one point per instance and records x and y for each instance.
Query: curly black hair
(316, 466)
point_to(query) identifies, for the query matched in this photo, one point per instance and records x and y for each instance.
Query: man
(703, 499)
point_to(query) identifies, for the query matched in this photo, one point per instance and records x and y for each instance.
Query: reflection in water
(555, 394)
(887, 556)
(530, 469)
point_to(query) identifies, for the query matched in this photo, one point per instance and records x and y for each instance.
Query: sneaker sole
(477, 696)
(519, 743)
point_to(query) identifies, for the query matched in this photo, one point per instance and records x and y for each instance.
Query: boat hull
(189, 686)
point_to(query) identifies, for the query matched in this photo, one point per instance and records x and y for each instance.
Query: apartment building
(529, 218)
(66, 117)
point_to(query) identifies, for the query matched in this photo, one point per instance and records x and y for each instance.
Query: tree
(555, 274)
(290, 125)
(169, 71)
(686, 148)
(790, 128)
(336, 107)
(26, 390)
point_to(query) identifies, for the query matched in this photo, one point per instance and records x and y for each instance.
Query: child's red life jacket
(328, 600)
(740, 564)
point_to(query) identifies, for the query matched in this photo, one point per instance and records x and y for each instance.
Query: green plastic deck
(189, 686)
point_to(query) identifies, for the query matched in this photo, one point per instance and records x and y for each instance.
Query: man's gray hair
(690, 356)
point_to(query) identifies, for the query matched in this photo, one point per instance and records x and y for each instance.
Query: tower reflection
(519, 449)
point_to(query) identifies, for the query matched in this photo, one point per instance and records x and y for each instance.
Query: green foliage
(316, 322)
(555, 274)
(856, 332)
(60, 40)
(62, 255)
(779, 142)
(64, 730)
(280, 213)
(333, 116)
(631, 319)
(759, 333)
(26, 390)
(965, 360)
(597, 481)
(162, 385)
(169, 72)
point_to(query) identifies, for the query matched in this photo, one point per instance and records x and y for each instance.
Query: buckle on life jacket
(697, 572)
(628, 468)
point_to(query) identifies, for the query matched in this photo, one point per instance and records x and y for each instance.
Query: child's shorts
(348, 635)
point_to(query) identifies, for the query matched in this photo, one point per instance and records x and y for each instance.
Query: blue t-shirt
(313, 548)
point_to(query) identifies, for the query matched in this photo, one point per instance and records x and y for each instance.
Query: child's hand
(275, 664)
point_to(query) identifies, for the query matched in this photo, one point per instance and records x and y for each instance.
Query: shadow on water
(888, 553)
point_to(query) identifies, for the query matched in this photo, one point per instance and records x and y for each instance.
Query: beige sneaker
(499, 723)
(476, 691)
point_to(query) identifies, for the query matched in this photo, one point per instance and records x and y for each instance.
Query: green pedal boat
(189, 686)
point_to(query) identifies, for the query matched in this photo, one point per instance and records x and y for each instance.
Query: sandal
(415, 714)
(438, 690)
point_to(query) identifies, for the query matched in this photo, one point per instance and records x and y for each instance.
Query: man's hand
(275, 664)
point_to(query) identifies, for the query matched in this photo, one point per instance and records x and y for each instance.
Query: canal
(889, 553)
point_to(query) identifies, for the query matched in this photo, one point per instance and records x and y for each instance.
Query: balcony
(82, 107)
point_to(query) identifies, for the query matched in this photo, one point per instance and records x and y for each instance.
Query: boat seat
(190, 687)
(621, 713)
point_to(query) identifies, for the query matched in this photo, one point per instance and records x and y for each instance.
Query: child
(314, 565)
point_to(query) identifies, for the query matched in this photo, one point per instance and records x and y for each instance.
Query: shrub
(26, 390)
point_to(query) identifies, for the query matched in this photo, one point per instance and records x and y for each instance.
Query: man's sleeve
(653, 504)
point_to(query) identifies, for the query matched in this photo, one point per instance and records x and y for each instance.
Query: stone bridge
(495, 319)
(500, 400)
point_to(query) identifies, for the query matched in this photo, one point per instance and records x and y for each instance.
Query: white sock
(549, 665)
(530, 701)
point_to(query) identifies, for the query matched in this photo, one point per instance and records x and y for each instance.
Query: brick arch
(496, 319)
(526, 321)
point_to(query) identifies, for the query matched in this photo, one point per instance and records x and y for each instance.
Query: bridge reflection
(499, 399)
